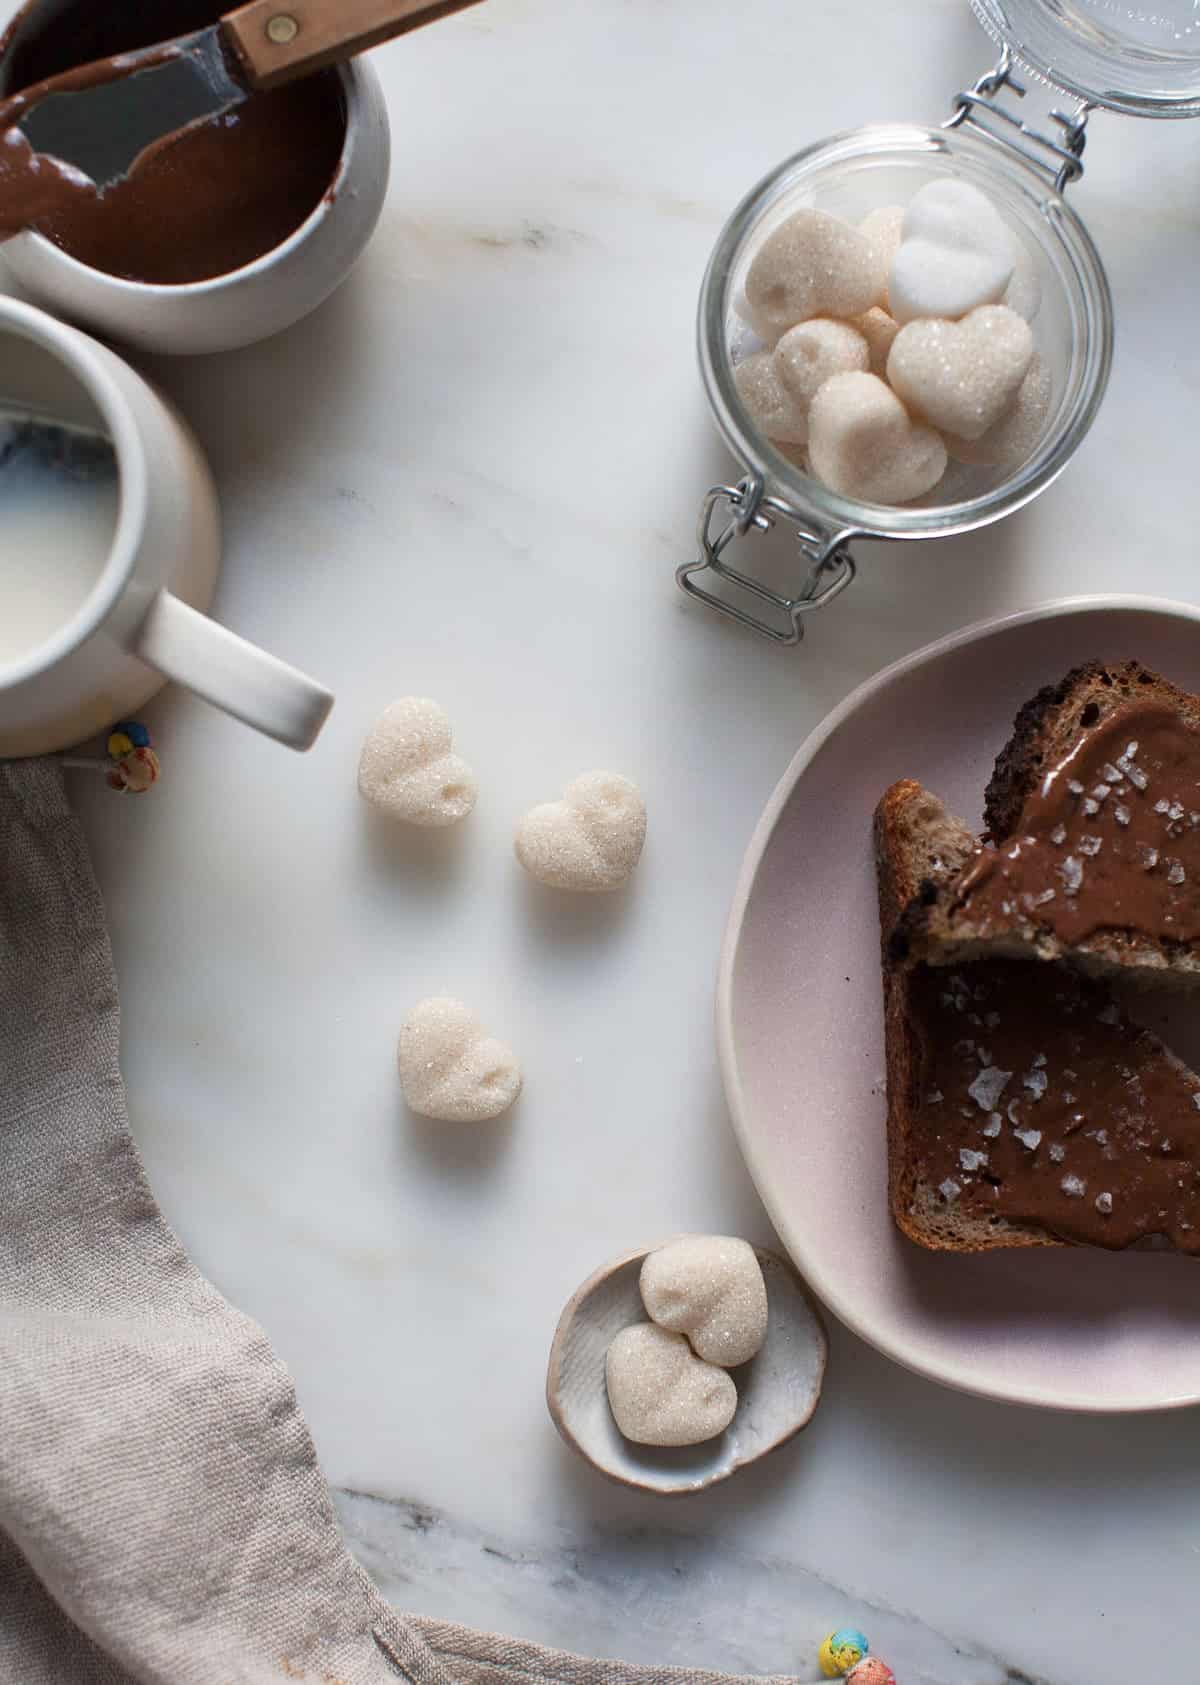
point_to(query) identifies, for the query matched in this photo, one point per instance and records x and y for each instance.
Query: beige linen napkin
(162, 1515)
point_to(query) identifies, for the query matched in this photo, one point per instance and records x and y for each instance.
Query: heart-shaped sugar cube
(879, 331)
(882, 230)
(772, 408)
(407, 768)
(809, 353)
(962, 376)
(451, 1069)
(590, 840)
(863, 443)
(1011, 439)
(778, 386)
(711, 1288)
(955, 254)
(814, 264)
(661, 1393)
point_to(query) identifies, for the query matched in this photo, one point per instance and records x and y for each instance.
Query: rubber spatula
(100, 117)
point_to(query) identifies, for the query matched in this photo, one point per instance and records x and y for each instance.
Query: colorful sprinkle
(871, 1671)
(135, 766)
(841, 1651)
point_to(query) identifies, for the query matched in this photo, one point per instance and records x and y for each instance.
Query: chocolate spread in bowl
(1110, 840)
(1040, 1103)
(211, 199)
(35, 186)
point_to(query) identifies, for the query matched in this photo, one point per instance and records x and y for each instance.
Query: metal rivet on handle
(282, 28)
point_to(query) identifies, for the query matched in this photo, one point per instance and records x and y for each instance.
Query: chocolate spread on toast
(1038, 1102)
(1110, 839)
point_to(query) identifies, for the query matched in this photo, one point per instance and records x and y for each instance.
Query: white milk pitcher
(109, 548)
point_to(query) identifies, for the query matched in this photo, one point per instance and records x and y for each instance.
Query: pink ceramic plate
(801, 1037)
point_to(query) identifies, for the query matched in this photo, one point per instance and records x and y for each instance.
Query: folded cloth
(162, 1514)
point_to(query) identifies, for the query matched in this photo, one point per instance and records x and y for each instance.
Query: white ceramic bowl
(250, 303)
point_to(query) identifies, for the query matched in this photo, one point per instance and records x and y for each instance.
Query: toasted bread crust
(1048, 723)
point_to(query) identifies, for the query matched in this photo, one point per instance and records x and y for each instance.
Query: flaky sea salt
(1073, 1186)
(1072, 875)
(1031, 1138)
(1121, 814)
(1175, 873)
(992, 1127)
(1058, 1153)
(1035, 1082)
(1104, 1204)
(988, 1086)
(1058, 835)
(950, 1190)
(970, 1160)
(1090, 845)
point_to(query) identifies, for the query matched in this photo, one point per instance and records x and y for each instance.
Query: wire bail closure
(831, 567)
(1059, 158)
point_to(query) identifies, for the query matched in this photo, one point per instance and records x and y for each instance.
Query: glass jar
(1093, 50)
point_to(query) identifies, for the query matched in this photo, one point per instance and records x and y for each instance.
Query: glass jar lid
(1126, 55)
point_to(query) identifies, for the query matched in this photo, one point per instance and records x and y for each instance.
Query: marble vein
(641, 1594)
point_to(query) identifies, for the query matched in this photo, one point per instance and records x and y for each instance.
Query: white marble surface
(471, 475)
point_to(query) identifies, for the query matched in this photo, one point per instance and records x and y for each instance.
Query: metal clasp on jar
(829, 565)
(1061, 158)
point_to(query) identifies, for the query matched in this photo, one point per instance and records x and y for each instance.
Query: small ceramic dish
(778, 1389)
(247, 304)
(800, 1029)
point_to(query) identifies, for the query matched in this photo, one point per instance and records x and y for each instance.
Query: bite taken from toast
(1091, 847)
(1024, 1108)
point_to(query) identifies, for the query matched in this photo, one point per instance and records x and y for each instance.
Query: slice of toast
(1092, 845)
(1024, 1109)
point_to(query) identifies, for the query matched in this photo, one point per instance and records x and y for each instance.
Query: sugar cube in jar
(938, 297)
(887, 230)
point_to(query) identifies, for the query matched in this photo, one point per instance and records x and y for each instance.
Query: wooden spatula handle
(276, 40)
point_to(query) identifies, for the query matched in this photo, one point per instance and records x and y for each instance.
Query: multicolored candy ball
(841, 1651)
(871, 1671)
(126, 736)
(134, 764)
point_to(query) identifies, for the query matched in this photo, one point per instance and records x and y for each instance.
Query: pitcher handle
(234, 675)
